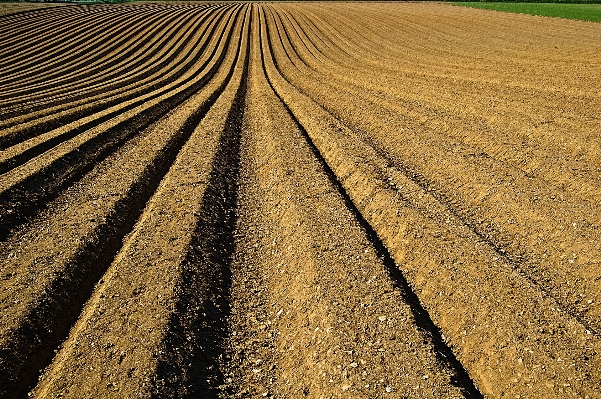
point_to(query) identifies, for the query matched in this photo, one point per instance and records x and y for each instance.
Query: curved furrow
(45, 17)
(454, 204)
(510, 238)
(143, 271)
(42, 133)
(372, 38)
(53, 75)
(12, 19)
(163, 69)
(132, 49)
(44, 49)
(22, 15)
(426, 69)
(390, 103)
(120, 58)
(522, 150)
(304, 40)
(386, 51)
(484, 139)
(411, 229)
(318, 328)
(49, 19)
(80, 14)
(95, 215)
(536, 75)
(386, 55)
(25, 189)
(75, 50)
(298, 200)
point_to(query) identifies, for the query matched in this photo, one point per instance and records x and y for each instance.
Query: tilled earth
(375, 200)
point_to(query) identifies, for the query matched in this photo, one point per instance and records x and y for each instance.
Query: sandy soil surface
(374, 200)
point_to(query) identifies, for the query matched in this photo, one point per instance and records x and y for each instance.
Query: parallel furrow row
(292, 200)
(45, 268)
(520, 251)
(472, 122)
(119, 63)
(149, 287)
(57, 70)
(172, 62)
(25, 189)
(400, 182)
(42, 50)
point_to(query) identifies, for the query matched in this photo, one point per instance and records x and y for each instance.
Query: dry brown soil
(288, 200)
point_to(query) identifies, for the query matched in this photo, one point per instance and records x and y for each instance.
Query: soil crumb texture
(298, 200)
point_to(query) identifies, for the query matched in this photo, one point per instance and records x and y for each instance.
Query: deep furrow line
(155, 76)
(189, 367)
(39, 136)
(176, 275)
(100, 72)
(23, 191)
(133, 49)
(68, 37)
(51, 19)
(65, 69)
(122, 194)
(421, 315)
(458, 376)
(527, 254)
(90, 13)
(430, 117)
(384, 221)
(103, 39)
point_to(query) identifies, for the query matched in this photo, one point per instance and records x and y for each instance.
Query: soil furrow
(61, 72)
(311, 333)
(186, 57)
(52, 20)
(155, 84)
(104, 208)
(483, 134)
(146, 315)
(13, 12)
(71, 54)
(138, 54)
(73, 88)
(298, 200)
(411, 237)
(44, 41)
(24, 190)
(71, 38)
(520, 238)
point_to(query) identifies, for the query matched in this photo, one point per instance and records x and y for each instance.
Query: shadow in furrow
(486, 235)
(25, 200)
(493, 237)
(38, 129)
(444, 354)
(32, 346)
(195, 345)
(158, 65)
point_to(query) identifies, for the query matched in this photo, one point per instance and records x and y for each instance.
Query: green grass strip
(584, 12)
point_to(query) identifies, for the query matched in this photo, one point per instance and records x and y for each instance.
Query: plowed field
(374, 200)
